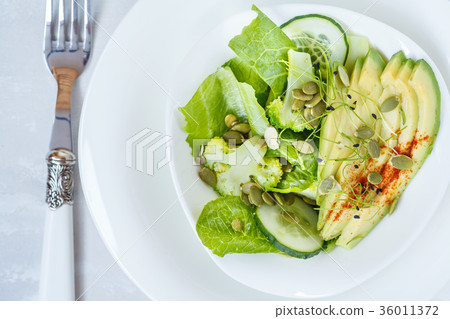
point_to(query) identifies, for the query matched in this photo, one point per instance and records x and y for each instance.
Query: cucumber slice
(298, 239)
(317, 34)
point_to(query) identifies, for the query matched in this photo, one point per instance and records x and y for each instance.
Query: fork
(66, 51)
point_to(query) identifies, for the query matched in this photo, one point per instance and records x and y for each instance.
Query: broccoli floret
(281, 116)
(236, 166)
(216, 151)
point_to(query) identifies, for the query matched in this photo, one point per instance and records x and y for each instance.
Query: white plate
(167, 261)
(342, 269)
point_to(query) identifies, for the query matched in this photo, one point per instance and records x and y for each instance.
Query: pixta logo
(146, 150)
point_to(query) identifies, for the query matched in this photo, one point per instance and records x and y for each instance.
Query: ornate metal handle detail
(60, 163)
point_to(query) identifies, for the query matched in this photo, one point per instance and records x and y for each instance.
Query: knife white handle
(57, 268)
(57, 272)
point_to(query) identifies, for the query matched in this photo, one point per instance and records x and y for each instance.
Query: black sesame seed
(352, 108)
(357, 207)
(319, 160)
(354, 102)
(379, 190)
(356, 145)
(371, 187)
(318, 65)
(330, 108)
(349, 96)
(356, 217)
(374, 116)
(356, 166)
(335, 72)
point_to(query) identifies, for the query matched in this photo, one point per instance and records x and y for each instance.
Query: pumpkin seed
(245, 188)
(314, 123)
(303, 147)
(245, 199)
(374, 178)
(255, 196)
(327, 185)
(389, 104)
(316, 99)
(236, 224)
(234, 137)
(307, 114)
(243, 128)
(200, 160)
(291, 218)
(279, 198)
(271, 137)
(364, 132)
(267, 198)
(287, 168)
(343, 75)
(401, 162)
(309, 201)
(310, 88)
(230, 120)
(318, 109)
(373, 148)
(297, 105)
(208, 176)
(298, 94)
(289, 199)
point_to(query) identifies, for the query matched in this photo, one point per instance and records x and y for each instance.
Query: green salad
(308, 136)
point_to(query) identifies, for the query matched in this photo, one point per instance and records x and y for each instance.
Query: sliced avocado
(392, 68)
(424, 83)
(369, 80)
(328, 134)
(421, 103)
(369, 84)
(408, 106)
(358, 47)
(331, 128)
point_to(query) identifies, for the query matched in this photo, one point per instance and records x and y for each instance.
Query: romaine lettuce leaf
(296, 181)
(304, 174)
(220, 94)
(264, 46)
(245, 73)
(306, 161)
(215, 230)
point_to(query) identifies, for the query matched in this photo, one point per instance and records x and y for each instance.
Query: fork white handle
(57, 272)
(57, 275)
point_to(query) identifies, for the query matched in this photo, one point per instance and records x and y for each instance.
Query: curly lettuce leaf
(245, 73)
(221, 94)
(214, 227)
(264, 46)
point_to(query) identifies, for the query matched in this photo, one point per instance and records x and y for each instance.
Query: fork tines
(67, 30)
